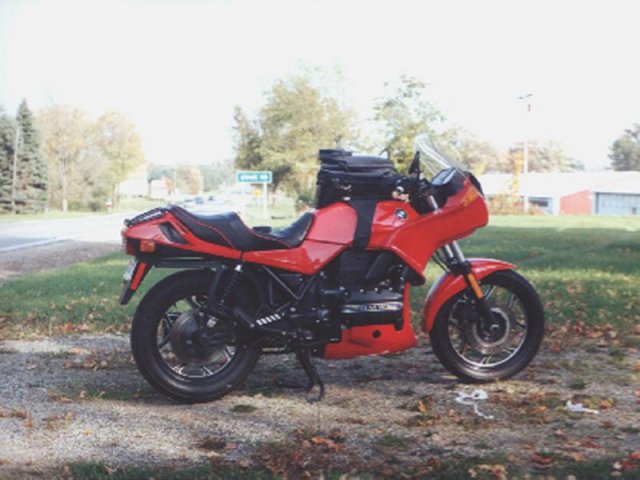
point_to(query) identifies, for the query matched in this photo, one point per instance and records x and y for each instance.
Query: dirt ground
(80, 398)
(55, 255)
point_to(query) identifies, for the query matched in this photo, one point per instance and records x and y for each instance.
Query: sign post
(264, 178)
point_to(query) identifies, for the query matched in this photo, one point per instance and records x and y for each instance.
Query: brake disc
(491, 340)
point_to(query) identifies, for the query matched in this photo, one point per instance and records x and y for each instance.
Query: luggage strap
(365, 210)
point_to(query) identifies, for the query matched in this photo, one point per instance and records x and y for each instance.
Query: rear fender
(449, 285)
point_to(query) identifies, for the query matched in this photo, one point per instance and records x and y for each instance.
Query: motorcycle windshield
(432, 160)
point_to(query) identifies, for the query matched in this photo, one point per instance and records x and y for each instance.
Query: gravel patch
(46, 257)
(80, 398)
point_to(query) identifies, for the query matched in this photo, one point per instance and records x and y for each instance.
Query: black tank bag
(361, 180)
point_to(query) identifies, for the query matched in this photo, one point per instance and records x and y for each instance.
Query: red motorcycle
(334, 284)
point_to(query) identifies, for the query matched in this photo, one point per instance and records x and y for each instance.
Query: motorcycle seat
(228, 229)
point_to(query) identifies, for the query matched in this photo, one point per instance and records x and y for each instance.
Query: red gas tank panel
(331, 233)
(334, 224)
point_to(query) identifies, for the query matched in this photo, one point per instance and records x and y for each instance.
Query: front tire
(165, 347)
(476, 352)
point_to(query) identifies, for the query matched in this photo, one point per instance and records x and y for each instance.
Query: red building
(573, 193)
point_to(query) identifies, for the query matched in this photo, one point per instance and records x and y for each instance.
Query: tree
(625, 151)
(66, 143)
(298, 118)
(7, 141)
(32, 172)
(475, 155)
(403, 115)
(547, 156)
(119, 143)
(248, 141)
(214, 175)
(189, 180)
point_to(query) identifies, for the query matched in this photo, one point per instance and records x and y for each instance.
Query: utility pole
(15, 169)
(525, 198)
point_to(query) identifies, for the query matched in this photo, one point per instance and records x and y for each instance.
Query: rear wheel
(183, 351)
(476, 350)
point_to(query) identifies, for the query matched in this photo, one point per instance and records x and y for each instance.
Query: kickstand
(304, 356)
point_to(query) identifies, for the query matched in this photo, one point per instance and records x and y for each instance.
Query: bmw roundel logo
(401, 214)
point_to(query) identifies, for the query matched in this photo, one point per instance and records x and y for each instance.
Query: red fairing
(449, 285)
(374, 339)
(417, 237)
(331, 233)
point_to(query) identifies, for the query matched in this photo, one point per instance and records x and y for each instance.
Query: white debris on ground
(472, 399)
(579, 408)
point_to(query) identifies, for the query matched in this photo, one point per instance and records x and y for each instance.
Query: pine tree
(32, 170)
(7, 138)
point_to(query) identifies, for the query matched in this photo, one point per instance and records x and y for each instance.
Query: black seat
(228, 229)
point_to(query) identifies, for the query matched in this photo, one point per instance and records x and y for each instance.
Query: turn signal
(147, 246)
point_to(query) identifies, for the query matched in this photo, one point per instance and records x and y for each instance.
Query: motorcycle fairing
(414, 238)
(449, 285)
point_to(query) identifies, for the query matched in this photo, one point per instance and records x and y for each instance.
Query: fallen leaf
(541, 459)
(211, 443)
(425, 404)
(577, 457)
(606, 404)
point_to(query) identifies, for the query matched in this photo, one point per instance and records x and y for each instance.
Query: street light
(525, 198)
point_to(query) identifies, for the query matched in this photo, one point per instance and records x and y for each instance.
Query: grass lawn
(451, 469)
(586, 269)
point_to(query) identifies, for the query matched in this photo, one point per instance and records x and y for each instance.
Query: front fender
(448, 285)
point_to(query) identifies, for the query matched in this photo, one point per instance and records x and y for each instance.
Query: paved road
(32, 233)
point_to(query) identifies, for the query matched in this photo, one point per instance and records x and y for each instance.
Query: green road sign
(254, 177)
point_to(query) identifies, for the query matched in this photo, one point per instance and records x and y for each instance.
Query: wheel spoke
(463, 344)
(180, 368)
(512, 301)
(521, 326)
(206, 370)
(455, 324)
(489, 291)
(486, 359)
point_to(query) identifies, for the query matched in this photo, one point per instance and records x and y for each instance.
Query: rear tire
(473, 354)
(156, 345)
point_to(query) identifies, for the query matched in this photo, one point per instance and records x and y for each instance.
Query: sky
(178, 68)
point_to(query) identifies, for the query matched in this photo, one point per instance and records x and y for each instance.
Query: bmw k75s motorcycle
(334, 284)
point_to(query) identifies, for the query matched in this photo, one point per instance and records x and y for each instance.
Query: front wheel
(182, 350)
(479, 351)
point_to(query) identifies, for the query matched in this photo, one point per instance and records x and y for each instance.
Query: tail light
(147, 246)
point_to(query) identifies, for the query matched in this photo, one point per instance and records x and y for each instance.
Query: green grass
(585, 268)
(83, 297)
(451, 468)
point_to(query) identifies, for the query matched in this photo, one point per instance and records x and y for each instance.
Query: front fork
(458, 265)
